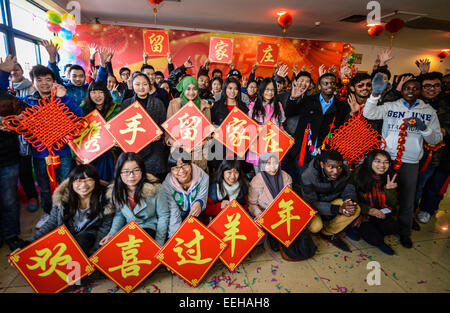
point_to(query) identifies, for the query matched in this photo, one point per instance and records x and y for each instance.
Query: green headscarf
(181, 87)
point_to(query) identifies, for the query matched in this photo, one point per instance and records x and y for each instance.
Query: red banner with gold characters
(133, 128)
(191, 251)
(128, 258)
(272, 139)
(221, 50)
(237, 132)
(267, 54)
(53, 262)
(93, 140)
(239, 231)
(156, 42)
(188, 126)
(286, 217)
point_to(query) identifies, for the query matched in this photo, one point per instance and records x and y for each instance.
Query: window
(30, 19)
(2, 46)
(26, 55)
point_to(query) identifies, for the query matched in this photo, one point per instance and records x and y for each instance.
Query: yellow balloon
(57, 41)
(68, 15)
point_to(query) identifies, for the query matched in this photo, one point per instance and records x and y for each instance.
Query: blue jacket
(77, 92)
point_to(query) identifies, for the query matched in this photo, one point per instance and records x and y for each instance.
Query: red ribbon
(301, 158)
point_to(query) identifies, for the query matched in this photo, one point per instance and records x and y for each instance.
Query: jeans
(9, 202)
(422, 180)
(62, 172)
(407, 182)
(431, 197)
(26, 177)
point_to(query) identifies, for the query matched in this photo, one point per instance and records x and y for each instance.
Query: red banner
(53, 262)
(156, 42)
(267, 54)
(93, 140)
(221, 50)
(133, 128)
(239, 231)
(188, 126)
(128, 258)
(191, 251)
(237, 132)
(272, 139)
(286, 217)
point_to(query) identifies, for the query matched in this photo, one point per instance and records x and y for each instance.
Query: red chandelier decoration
(155, 4)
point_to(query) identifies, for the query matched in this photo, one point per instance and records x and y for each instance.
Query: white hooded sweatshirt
(393, 115)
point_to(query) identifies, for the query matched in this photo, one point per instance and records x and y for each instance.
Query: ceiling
(259, 17)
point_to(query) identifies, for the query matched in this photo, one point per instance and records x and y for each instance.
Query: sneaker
(406, 241)
(337, 242)
(43, 220)
(423, 217)
(353, 233)
(386, 249)
(32, 205)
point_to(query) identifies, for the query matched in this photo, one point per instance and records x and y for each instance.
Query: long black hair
(227, 165)
(90, 106)
(97, 199)
(120, 193)
(364, 178)
(258, 109)
(223, 96)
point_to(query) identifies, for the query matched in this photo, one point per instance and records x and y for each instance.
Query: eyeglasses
(360, 85)
(177, 169)
(429, 86)
(270, 90)
(135, 172)
(81, 181)
(381, 162)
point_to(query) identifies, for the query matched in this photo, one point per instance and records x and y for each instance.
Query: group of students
(162, 185)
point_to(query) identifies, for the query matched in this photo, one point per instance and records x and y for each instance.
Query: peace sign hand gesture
(391, 184)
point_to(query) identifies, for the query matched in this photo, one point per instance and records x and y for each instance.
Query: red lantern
(443, 54)
(155, 2)
(284, 20)
(375, 30)
(395, 25)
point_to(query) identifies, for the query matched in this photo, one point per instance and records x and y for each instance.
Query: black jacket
(219, 112)
(309, 111)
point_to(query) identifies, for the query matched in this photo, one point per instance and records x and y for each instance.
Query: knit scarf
(231, 191)
(376, 198)
(273, 182)
(181, 87)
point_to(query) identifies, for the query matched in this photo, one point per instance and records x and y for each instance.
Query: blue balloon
(65, 34)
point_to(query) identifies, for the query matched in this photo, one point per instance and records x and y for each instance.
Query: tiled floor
(424, 268)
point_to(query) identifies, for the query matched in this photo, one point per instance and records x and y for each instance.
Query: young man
(44, 81)
(76, 86)
(424, 126)
(159, 77)
(326, 186)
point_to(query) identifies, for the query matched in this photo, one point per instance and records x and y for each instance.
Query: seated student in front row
(136, 196)
(80, 204)
(376, 188)
(326, 186)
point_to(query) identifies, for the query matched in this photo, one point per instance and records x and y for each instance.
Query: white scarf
(232, 191)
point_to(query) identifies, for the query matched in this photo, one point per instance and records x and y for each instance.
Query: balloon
(68, 15)
(54, 17)
(69, 45)
(57, 41)
(52, 27)
(69, 24)
(66, 56)
(375, 30)
(65, 34)
(77, 51)
(75, 40)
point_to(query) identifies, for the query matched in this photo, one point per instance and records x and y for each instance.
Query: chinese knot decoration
(48, 125)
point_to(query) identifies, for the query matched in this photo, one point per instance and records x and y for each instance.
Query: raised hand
(145, 57)
(402, 81)
(188, 63)
(52, 50)
(169, 58)
(283, 70)
(378, 84)
(92, 50)
(232, 66)
(322, 70)
(354, 105)
(8, 64)
(254, 67)
(295, 69)
(93, 74)
(206, 64)
(298, 89)
(103, 54)
(60, 90)
(385, 56)
(423, 65)
(110, 55)
(391, 184)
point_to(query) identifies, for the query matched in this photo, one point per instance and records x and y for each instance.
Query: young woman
(166, 86)
(188, 88)
(267, 107)
(228, 100)
(264, 188)
(156, 153)
(375, 185)
(252, 90)
(228, 184)
(99, 98)
(80, 204)
(136, 196)
(216, 85)
(186, 189)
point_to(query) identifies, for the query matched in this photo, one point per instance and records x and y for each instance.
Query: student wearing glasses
(136, 196)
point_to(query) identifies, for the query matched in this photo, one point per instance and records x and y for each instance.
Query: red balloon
(395, 25)
(54, 28)
(346, 47)
(285, 19)
(375, 30)
(443, 54)
(155, 2)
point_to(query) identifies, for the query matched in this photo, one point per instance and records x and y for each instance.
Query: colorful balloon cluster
(64, 26)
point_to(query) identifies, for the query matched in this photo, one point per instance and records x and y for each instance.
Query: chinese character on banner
(156, 42)
(93, 140)
(272, 139)
(53, 262)
(239, 231)
(267, 54)
(188, 126)
(221, 50)
(237, 132)
(191, 251)
(128, 258)
(133, 128)
(286, 216)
